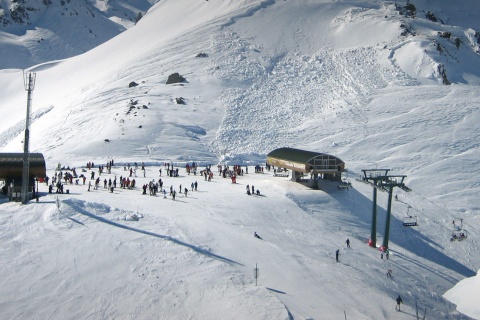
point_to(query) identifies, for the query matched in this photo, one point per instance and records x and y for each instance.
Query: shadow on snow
(78, 205)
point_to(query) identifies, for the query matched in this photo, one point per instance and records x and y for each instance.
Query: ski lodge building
(302, 163)
(11, 172)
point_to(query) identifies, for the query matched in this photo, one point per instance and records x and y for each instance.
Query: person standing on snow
(337, 253)
(399, 301)
(348, 243)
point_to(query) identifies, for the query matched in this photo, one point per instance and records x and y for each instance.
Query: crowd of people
(66, 175)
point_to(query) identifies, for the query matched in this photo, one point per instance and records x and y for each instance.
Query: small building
(11, 171)
(307, 163)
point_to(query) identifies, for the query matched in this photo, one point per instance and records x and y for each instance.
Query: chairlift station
(302, 162)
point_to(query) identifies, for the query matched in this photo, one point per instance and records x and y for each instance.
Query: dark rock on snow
(175, 78)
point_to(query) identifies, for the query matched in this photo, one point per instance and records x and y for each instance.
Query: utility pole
(255, 274)
(29, 83)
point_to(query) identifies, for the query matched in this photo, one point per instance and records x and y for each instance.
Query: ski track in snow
(12, 132)
(298, 89)
(194, 257)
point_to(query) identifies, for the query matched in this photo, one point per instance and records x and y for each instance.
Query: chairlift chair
(344, 184)
(410, 221)
(459, 235)
(457, 224)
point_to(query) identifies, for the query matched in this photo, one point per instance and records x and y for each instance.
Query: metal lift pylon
(380, 179)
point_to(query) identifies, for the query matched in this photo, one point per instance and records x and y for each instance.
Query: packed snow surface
(356, 79)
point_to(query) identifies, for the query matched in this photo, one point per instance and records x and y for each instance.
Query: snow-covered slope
(33, 32)
(362, 80)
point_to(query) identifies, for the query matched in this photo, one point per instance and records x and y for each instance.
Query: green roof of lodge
(14, 159)
(296, 155)
(11, 165)
(305, 161)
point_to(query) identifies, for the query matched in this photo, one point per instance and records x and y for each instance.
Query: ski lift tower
(29, 83)
(373, 176)
(388, 185)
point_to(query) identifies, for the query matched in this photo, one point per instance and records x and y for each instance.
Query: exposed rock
(410, 10)
(430, 16)
(443, 73)
(201, 55)
(180, 100)
(439, 47)
(407, 30)
(445, 34)
(477, 36)
(457, 42)
(132, 84)
(175, 78)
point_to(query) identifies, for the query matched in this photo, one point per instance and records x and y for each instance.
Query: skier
(399, 301)
(257, 236)
(348, 243)
(337, 253)
(389, 273)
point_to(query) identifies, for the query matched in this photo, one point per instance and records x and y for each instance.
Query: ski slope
(327, 76)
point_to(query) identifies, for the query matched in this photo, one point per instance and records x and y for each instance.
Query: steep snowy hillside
(32, 32)
(363, 80)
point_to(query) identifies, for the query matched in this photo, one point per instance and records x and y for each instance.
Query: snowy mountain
(380, 84)
(34, 31)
